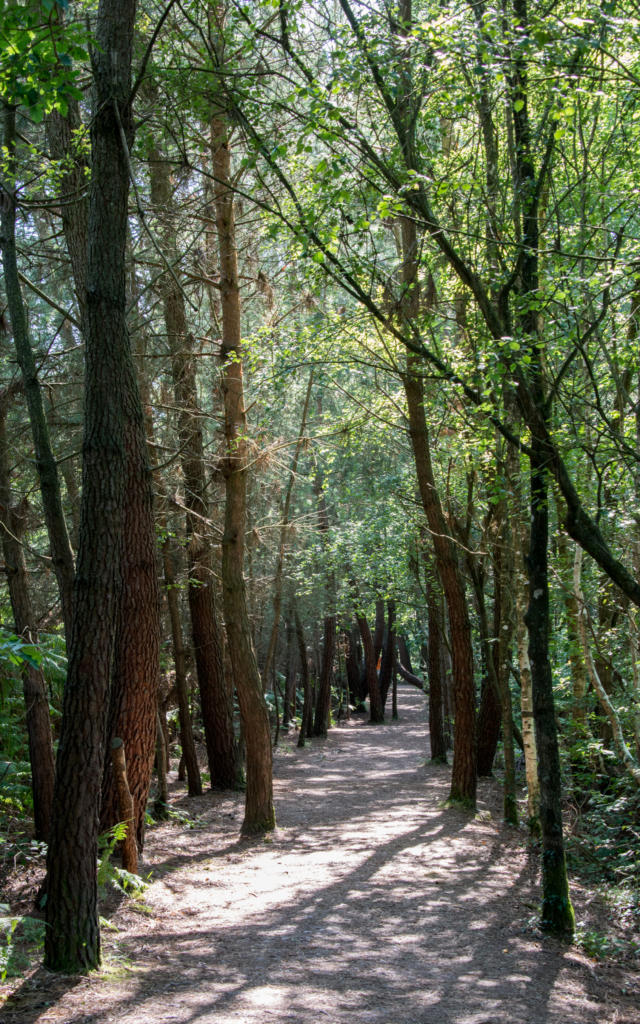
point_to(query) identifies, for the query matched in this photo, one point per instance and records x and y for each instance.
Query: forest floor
(370, 904)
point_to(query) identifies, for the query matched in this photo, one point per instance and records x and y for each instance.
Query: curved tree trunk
(463, 776)
(464, 769)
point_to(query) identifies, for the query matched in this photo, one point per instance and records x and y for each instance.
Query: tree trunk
(323, 696)
(464, 770)
(12, 525)
(136, 667)
(289, 707)
(216, 691)
(325, 678)
(194, 781)
(376, 713)
(463, 776)
(378, 633)
(49, 481)
(306, 686)
(557, 912)
(503, 615)
(284, 527)
(388, 653)
(72, 936)
(404, 656)
(259, 813)
(352, 668)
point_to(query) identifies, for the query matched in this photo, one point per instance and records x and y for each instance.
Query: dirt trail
(369, 905)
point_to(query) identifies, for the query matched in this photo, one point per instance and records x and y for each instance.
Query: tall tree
(111, 409)
(259, 813)
(61, 553)
(216, 691)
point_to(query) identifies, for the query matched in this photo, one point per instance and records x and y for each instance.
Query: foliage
(21, 938)
(109, 874)
(39, 56)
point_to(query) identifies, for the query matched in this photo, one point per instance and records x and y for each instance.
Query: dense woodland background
(319, 372)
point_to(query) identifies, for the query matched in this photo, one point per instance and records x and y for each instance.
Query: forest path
(370, 904)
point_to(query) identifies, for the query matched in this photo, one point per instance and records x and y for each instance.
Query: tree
(259, 814)
(112, 414)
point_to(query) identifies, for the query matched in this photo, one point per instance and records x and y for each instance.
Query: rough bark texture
(126, 806)
(489, 715)
(259, 813)
(12, 525)
(134, 691)
(72, 937)
(136, 664)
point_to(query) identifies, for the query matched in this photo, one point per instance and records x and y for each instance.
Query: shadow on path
(370, 904)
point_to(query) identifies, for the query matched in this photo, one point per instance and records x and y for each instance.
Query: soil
(371, 903)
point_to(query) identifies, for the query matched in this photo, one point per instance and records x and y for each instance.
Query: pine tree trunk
(136, 667)
(259, 813)
(72, 936)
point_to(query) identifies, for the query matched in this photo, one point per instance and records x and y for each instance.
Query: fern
(109, 873)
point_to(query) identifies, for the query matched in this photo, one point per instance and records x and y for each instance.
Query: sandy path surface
(370, 904)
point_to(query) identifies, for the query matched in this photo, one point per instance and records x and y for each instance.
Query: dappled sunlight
(369, 903)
